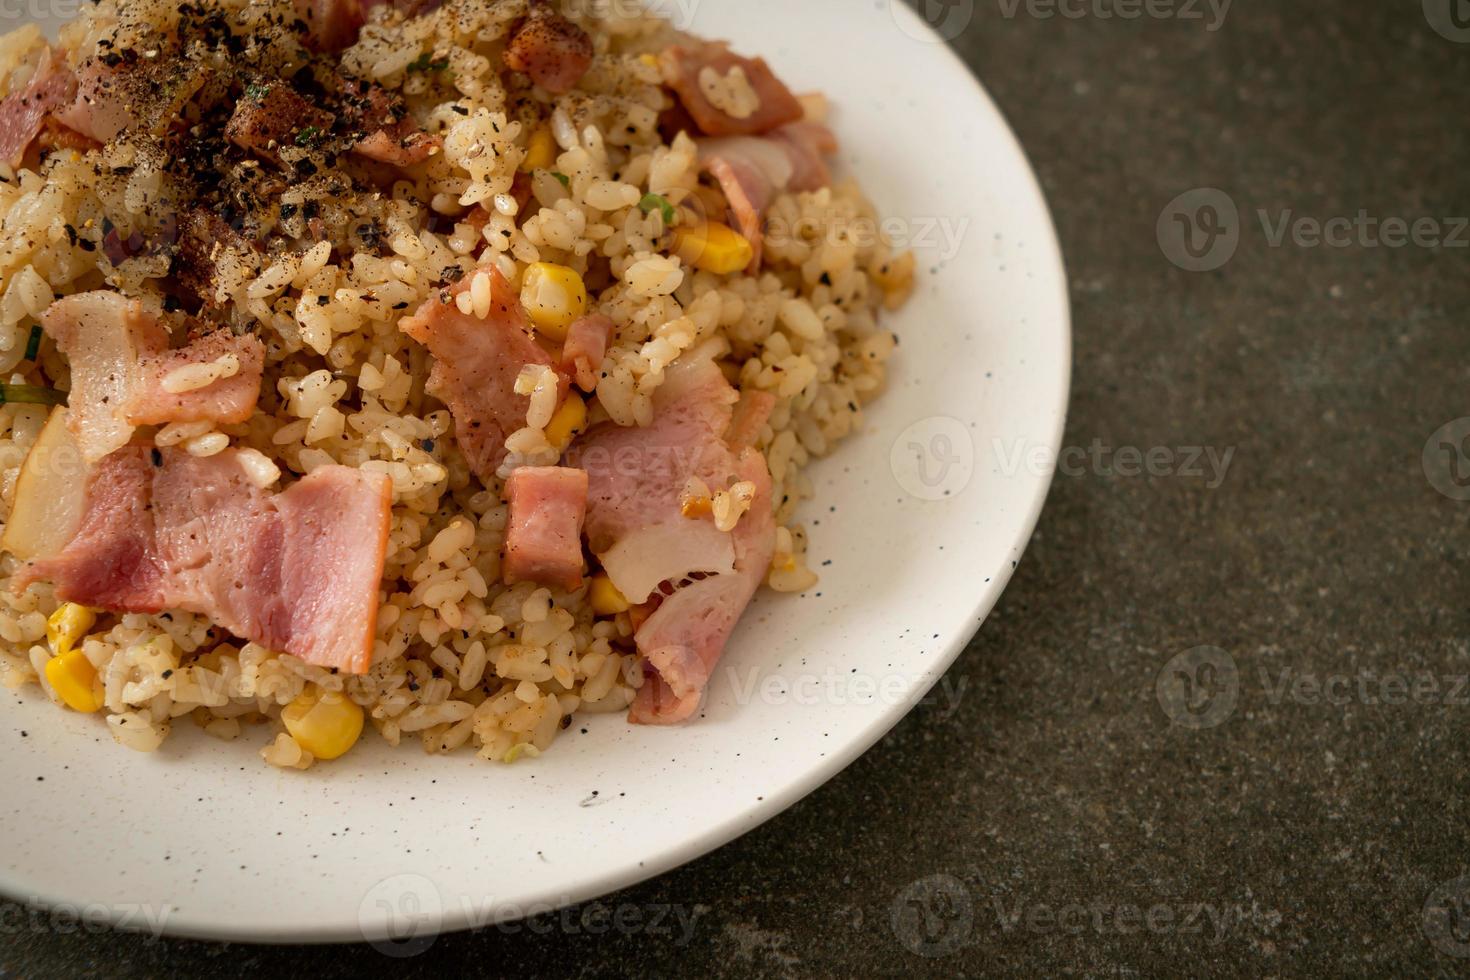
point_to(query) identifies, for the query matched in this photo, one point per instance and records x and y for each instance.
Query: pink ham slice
(686, 635)
(119, 359)
(682, 67)
(753, 170)
(296, 571)
(475, 367)
(585, 348)
(543, 539)
(653, 553)
(555, 52)
(23, 114)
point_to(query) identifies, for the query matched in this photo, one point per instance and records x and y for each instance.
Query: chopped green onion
(256, 91)
(33, 346)
(30, 395)
(422, 63)
(307, 135)
(565, 180)
(651, 201)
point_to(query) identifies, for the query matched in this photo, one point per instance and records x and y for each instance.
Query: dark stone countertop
(1058, 823)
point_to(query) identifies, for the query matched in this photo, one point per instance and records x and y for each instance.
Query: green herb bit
(651, 201)
(30, 395)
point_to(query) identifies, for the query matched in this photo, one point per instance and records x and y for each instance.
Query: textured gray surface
(1297, 836)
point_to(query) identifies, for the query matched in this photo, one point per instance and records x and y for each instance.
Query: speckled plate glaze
(918, 525)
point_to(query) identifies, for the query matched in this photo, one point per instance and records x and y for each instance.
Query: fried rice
(459, 658)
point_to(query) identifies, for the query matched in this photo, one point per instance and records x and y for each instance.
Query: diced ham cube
(543, 538)
(682, 68)
(476, 363)
(555, 52)
(585, 347)
(272, 116)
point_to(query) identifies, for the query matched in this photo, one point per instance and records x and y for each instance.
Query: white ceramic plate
(922, 518)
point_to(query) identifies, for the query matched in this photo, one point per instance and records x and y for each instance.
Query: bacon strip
(119, 359)
(297, 571)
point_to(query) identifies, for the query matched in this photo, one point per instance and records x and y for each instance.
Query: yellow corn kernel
(324, 723)
(895, 276)
(74, 680)
(569, 420)
(695, 500)
(67, 625)
(605, 597)
(521, 749)
(553, 296)
(540, 151)
(713, 247)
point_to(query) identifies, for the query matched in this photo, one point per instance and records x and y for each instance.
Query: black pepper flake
(288, 211)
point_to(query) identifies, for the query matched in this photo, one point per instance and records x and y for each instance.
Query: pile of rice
(460, 659)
